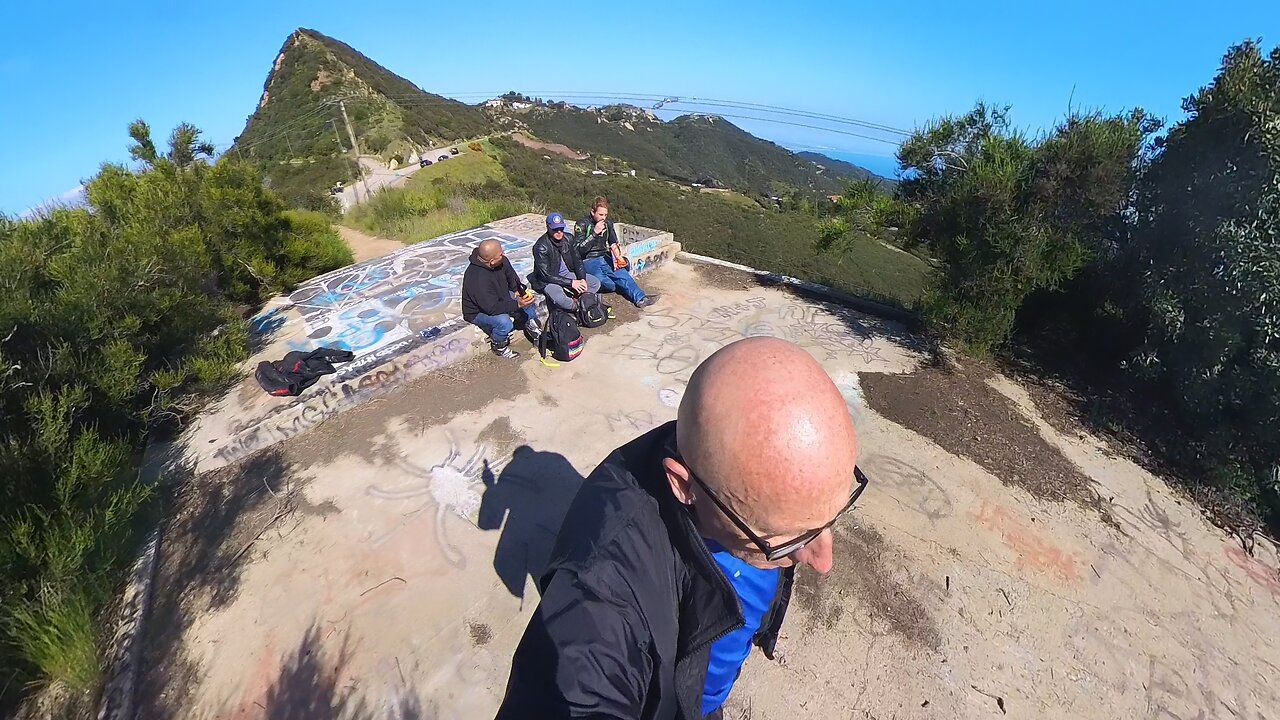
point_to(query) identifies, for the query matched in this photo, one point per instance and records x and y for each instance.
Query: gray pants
(558, 297)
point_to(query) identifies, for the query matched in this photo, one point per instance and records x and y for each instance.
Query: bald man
(678, 552)
(494, 299)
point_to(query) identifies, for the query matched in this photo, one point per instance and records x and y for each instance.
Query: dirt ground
(378, 565)
(556, 148)
(367, 247)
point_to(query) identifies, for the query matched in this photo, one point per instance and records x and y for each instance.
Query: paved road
(378, 176)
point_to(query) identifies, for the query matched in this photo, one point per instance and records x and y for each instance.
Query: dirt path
(378, 565)
(557, 148)
(366, 247)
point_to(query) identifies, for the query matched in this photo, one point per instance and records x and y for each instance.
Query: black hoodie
(488, 290)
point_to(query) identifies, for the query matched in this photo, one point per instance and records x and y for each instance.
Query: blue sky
(75, 73)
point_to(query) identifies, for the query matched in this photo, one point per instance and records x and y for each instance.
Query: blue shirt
(755, 588)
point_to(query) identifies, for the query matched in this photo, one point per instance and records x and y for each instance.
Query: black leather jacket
(591, 245)
(547, 254)
(631, 602)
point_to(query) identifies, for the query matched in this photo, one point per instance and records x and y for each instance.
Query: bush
(1208, 244)
(1009, 216)
(312, 246)
(115, 319)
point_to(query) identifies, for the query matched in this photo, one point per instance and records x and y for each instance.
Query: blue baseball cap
(555, 221)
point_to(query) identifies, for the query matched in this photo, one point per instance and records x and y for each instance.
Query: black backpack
(561, 337)
(591, 312)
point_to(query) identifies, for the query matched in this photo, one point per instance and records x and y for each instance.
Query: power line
(670, 98)
(428, 101)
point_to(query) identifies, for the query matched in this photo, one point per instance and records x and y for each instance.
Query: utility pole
(355, 149)
(336, 136)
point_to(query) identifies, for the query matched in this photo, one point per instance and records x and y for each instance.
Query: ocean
(878, 164)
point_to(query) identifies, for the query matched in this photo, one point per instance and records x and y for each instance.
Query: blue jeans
(619, 281)
(500, 326)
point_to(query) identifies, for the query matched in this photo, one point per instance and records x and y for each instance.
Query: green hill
(297, 134)
(690, 149)
(845, 170)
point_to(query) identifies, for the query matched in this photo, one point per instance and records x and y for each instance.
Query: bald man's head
(490, 251)
(767, 430)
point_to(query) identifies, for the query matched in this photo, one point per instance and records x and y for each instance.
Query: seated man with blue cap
(557, 268)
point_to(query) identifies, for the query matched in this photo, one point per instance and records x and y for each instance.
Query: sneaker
(647, 300)
(505, 352)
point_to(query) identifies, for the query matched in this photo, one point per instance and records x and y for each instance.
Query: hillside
(297, 133)
(845, 170)
(690, 149)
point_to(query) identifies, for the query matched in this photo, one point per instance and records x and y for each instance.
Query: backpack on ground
(561, 338)
(591, 311)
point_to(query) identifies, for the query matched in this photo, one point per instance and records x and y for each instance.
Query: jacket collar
(709, 607)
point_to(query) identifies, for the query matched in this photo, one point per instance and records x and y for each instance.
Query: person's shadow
(532, 494)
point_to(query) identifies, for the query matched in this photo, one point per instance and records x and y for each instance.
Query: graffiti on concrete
(1035, 552)
(371, 305)
(726, 312)
(692, 334)
(1265, 577)
(634, 421)
(329, 399)
(452, 486)
(652, 260)
(636, 249)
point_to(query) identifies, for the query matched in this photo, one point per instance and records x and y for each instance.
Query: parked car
(442, 158)
(453, 151)
(424, 162)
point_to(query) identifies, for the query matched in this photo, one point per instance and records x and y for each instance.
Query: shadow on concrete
(527, 501)
(214, 522)
(314, 682)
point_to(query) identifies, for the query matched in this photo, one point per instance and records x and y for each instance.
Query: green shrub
(115, 319)
(312, 246)
(1008, 215)
(57, 634)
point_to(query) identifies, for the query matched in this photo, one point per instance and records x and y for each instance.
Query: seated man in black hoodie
(494, 299)
(557, 267)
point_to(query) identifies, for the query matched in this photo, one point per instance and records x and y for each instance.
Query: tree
(1008, 215)
(1208, 244)
(184, 145)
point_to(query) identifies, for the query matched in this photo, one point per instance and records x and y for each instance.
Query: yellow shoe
(610, 314)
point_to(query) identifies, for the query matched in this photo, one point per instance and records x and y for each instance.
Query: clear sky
(75, 72)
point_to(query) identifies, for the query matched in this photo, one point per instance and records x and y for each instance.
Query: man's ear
(678, 478)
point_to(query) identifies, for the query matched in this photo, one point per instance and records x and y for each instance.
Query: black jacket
(546, 262)
(591, 245)
(299, 370)
(631, 602)
(488, 290)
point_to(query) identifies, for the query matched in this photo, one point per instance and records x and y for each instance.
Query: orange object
(619, 261)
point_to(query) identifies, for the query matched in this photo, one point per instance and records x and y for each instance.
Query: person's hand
(579, 286)
(600, 227)
(524, 300)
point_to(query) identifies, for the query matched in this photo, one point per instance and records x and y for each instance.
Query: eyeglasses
(773, 553)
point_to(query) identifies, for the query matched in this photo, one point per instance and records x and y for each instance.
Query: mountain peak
(299, 137)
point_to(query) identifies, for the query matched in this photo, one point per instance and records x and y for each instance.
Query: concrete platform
(378, 566)
(400, 314)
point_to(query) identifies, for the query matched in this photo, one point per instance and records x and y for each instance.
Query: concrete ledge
(871, 307)
(400, 314)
